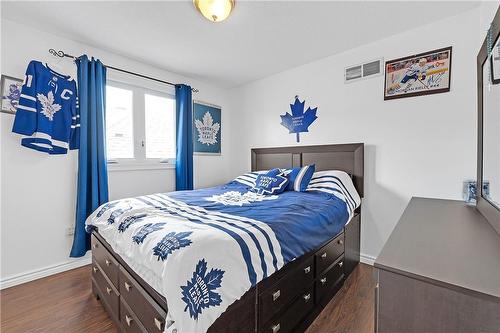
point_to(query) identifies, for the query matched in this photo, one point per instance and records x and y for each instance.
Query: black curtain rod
(62, 54)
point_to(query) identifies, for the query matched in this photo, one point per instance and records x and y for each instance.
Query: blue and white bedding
(204, 249)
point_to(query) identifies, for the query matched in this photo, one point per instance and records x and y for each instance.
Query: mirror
(491, 126)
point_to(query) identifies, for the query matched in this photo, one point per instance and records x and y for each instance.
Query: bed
(225, 259)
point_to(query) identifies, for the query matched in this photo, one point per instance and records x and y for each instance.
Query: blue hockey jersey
(48, 113)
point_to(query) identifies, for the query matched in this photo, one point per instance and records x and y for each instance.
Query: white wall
(38, 190)
(421, 146)
(487, 11)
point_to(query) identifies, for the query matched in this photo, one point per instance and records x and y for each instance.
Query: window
(119, 123)
(140, 125)
(160, 127)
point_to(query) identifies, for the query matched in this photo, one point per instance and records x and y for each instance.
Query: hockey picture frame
(11, 92)
(207, 129)
(495, 62)
(419, 74)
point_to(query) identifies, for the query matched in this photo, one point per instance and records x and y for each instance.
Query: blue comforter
(301, 221)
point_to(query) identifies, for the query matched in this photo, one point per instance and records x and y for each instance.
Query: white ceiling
(259, 38)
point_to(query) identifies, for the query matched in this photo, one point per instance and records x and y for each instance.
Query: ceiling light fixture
(214, 10)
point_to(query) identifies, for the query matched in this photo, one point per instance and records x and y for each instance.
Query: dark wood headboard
(344, 157)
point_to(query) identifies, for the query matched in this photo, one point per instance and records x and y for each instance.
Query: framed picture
(495, 63)
(207, 129)
(11, 91)
(419, 74)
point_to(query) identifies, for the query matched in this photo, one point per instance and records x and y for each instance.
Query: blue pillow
(299, 178)
(271, 182)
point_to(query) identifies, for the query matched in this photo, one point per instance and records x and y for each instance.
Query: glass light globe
(214, 10)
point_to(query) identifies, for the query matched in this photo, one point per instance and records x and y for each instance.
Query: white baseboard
(366, 259)
(17, 279)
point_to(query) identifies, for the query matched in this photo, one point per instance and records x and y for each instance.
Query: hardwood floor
(64, 303)
(352, 309)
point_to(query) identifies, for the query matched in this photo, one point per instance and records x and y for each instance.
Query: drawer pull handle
(341, 264)
(158, 324)
(127, 286)
(340, 242)
(107, 262)
(94, 246)
(95, 269)
(109, 290)
(307, 269)
(276, 328)
(276, 295)
(307, 297)
(323, 280)
(129, 320)
(323, 256)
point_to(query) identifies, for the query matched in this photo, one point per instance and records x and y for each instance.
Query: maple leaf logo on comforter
(171, 242)
(199, 293)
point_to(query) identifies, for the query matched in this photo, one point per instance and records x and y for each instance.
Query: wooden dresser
(439, 271)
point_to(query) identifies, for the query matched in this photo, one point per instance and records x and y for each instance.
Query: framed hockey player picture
(495, 63)
(207, 127)
(419, 74)
(11, 91)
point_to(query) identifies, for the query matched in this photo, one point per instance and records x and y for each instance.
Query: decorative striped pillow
(338, 183)
(249, 178)
(299, 178)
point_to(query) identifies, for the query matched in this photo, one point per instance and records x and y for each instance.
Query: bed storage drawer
(329, 253)
(129, 320)
(291, 317)
(330, 279)
(151, 314)
(106, 261)
(274, 298)
(107, 291)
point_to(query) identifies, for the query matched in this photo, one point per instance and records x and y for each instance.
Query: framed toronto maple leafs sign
(11, 91)
(207, 127)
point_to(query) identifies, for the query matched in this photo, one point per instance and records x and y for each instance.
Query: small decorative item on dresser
(469, 192)
(11, 91)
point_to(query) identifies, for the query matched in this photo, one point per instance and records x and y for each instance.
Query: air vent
(368, 69)
(353, 73)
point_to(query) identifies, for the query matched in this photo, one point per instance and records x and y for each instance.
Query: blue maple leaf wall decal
(199, 293)
(299, 121)
(145, 231)
(171, 242)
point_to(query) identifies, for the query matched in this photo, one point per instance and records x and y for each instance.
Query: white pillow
(338, 183)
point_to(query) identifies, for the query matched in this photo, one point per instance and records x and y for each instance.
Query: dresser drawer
(274, 298)
(107, 291)
(129, 320)
(151, 314)
(329, 279)
(106, 261)
(329, 253)
(292, 316)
